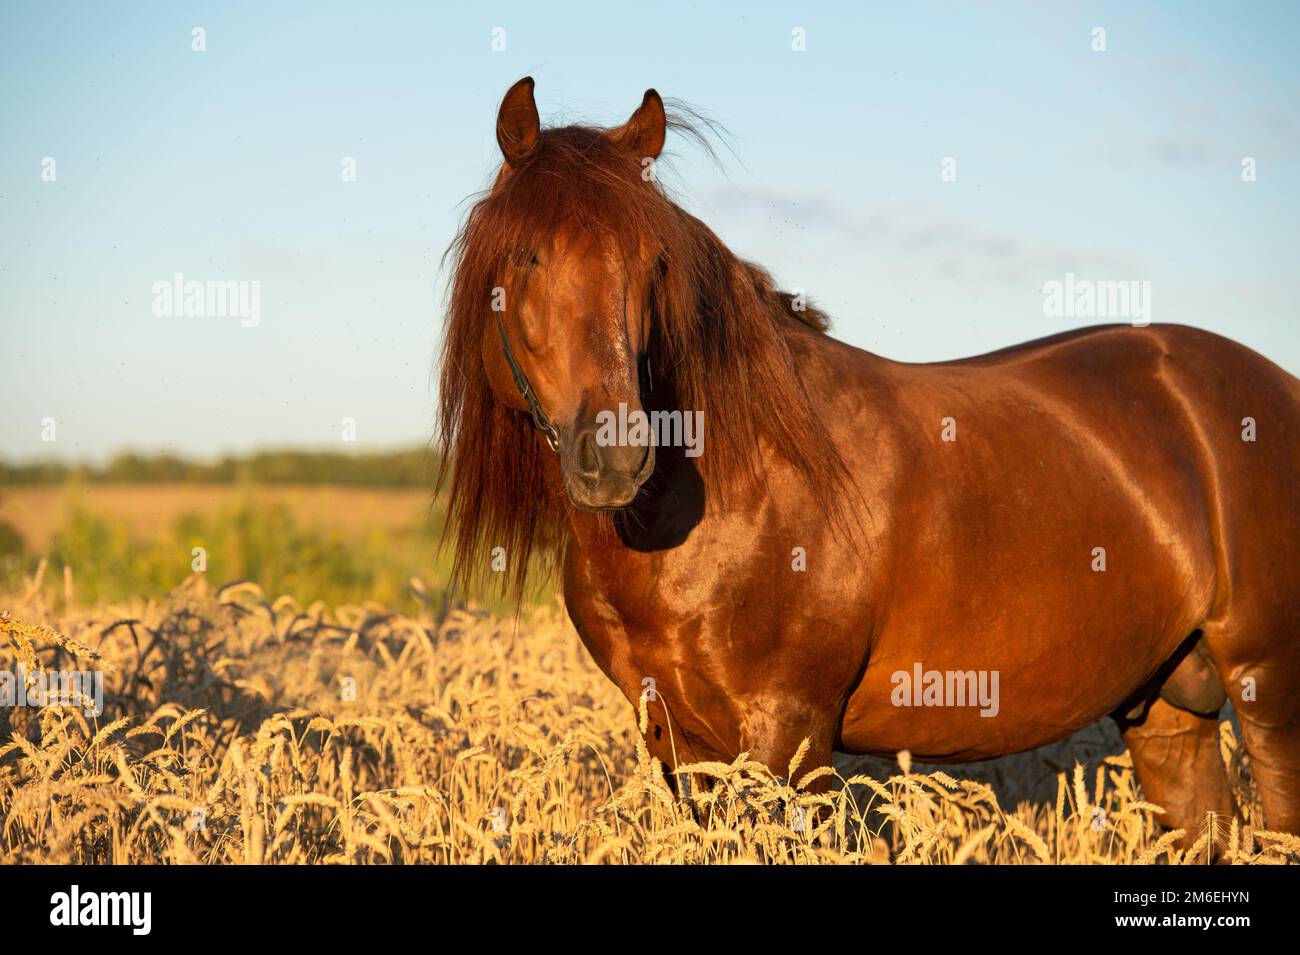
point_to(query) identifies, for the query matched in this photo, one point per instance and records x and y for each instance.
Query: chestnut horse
(962, 559)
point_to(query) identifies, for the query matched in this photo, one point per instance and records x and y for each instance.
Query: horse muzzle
(604, 477)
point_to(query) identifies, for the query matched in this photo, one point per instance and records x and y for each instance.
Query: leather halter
(540, 421)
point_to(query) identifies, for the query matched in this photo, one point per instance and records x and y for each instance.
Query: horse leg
(773, 739)
(1275, 761)
(772, 736)
(1269, 713)
(1176, 758)
(1262, 678)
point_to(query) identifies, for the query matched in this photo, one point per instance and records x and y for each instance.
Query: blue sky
(225, 165)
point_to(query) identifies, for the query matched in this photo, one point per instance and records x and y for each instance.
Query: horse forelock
(722, 335)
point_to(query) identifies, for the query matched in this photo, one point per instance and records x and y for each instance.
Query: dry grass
(39, 512)
(228, 736)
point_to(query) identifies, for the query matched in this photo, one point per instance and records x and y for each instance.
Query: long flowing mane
(720, 339)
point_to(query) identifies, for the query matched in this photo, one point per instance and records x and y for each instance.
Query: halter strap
(540, 421)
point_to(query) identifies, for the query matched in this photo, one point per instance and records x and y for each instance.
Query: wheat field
(241, 728)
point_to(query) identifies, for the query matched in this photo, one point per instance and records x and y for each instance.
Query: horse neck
(674, 499)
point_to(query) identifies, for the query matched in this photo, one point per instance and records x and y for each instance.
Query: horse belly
(941, 708)
(1049, 594)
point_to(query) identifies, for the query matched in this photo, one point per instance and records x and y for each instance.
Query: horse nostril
(588, 457)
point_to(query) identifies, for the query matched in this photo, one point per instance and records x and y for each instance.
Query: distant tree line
(412, 467)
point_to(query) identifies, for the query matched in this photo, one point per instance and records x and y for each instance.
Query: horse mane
(720, 339)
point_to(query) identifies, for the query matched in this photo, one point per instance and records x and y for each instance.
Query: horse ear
(519, 129)
(643, 134)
